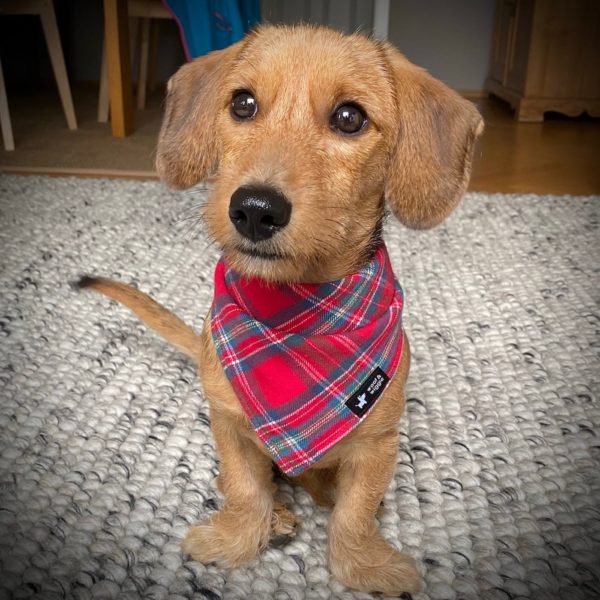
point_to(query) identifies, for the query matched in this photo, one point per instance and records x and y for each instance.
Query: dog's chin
(268, 255)
(264, 263)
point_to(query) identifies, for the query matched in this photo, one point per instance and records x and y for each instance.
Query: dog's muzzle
(259, 212)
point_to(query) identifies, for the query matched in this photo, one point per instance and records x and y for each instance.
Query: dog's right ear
(188, 150)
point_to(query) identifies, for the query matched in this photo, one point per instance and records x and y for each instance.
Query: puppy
(306, 135)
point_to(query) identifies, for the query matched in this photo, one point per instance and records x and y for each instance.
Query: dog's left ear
(431, 163)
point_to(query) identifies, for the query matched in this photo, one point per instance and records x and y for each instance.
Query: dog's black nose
(258, 212)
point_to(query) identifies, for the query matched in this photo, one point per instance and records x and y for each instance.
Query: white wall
(451, 38)
(347, 15)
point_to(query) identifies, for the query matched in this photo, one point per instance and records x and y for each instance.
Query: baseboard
(66, 172)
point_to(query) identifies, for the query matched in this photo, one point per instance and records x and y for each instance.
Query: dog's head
(305, 133)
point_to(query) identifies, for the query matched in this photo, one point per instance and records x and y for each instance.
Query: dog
(307, 136)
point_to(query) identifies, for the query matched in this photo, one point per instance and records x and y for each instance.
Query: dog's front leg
(358, 554)
(236, 534)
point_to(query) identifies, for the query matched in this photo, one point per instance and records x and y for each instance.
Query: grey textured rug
(107, 455)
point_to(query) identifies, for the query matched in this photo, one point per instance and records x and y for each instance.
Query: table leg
(116, 31)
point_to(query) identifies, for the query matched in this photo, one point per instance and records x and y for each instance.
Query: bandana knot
(308, 362)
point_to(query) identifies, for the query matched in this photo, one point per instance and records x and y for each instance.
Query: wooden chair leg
(143, 70)
(104, 92)
(7, 134)
(58, 61)
(118, 56)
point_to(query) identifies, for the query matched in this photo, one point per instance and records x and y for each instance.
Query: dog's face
(304, 133)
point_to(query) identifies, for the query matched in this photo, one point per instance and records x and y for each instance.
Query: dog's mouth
(262, 254)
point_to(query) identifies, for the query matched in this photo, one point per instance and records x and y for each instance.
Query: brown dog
(336, 125)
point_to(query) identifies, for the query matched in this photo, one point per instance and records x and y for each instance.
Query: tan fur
(415, 153)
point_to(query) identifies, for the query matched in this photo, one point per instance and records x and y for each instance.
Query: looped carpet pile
(106, 454)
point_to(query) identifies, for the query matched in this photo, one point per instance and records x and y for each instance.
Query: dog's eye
(243, 105)
(348, 118)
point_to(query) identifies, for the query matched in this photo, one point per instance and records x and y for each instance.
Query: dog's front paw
(283, 521)
(374, 566)
(230, 539)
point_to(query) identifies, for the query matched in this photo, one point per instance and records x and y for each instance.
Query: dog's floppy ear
(431, 163)
(188, 150)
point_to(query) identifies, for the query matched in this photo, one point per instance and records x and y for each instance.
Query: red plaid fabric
(308, 362)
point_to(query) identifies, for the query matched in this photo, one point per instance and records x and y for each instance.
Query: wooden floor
(560, 156)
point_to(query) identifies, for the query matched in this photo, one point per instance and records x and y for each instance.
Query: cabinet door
(505, 11)
(519, 46)
(565, 54)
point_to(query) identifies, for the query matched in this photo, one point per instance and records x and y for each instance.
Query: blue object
(207, 25)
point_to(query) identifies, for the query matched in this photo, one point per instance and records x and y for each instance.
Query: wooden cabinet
(546, 57)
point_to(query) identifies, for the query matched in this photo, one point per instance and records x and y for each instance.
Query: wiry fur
(415, 154)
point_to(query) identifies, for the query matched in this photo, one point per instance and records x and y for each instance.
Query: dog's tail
(164, 322)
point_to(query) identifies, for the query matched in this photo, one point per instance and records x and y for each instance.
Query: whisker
(189, 227)
(199, 188)
(210, 243)
(195, 206)
(188, 218)
(190, 232)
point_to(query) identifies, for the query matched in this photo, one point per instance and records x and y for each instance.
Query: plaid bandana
(308, 361)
